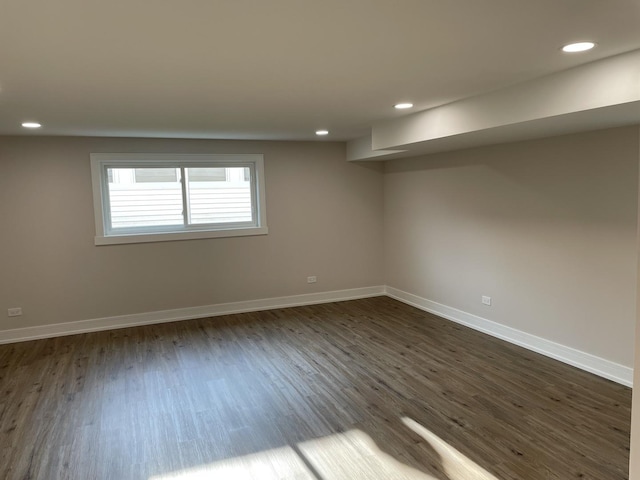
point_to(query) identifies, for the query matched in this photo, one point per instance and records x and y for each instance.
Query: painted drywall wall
(634, 456)
(324, 217)
(547, 228)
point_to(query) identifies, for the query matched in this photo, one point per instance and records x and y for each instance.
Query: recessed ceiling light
(322, 132)
(31, 125)
(578, 47)
(403, 106)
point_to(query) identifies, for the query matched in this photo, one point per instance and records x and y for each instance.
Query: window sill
(178, 236)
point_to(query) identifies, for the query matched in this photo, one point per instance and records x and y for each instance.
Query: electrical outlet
(312, 279)
(486, 300)
(14, 312)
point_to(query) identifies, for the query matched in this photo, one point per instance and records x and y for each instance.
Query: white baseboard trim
(585, 361)
(122, 321)
(591, 363)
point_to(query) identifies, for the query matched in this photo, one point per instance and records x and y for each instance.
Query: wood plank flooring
(365, 389)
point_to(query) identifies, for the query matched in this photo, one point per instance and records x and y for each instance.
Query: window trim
(101, 161)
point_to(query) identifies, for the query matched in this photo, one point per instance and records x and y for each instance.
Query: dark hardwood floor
(355, 390)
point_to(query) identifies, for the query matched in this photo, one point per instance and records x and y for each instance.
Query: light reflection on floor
(352, 455)
(456, 465)
(277, 464)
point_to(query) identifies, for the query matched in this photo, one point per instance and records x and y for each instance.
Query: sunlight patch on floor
(456, 465)
(277, 464)
(352, 455)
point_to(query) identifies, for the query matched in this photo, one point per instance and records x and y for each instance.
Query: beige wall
(324, 217)
(634, 463)
(547, 228)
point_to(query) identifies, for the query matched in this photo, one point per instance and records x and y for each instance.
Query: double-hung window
(160, 197)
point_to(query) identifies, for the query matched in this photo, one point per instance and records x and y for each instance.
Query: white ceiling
(278, 69)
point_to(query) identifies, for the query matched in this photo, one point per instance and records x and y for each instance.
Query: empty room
(303, 240)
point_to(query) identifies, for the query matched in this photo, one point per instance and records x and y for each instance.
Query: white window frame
(100, 162)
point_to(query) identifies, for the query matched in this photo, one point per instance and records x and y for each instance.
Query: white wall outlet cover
(486, 300)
